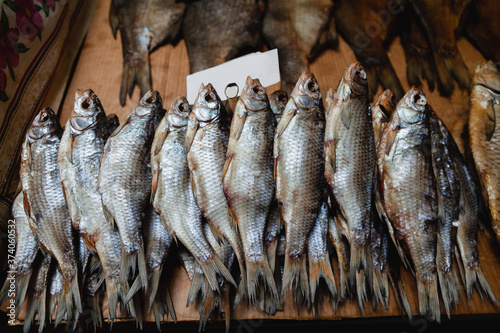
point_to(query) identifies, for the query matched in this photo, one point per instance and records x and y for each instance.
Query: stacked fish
(253, 203)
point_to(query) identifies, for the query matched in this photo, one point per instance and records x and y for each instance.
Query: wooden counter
(100, 67)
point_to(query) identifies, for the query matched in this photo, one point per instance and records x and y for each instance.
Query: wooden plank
(99, 68)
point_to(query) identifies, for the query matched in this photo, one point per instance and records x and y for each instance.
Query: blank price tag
(229, 78)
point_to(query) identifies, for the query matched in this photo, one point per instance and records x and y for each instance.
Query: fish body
(298, 170)
(350, 169)
(440, 21)
(248, 180)
(484, 132)
(369, 27)
(144, 25)
(173, 195)
(408, 192)
(448, 196)
(216, 31)
(206, 143)
(79, 155)
(44, 201)
(299, 30)
(125, 179)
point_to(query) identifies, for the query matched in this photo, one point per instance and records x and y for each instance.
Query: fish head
(384, 106)
(306, 92)
(149, 103)
(412, 108)
(45, 125)
(178, 113)
(207, 106)
(277, 101)
(87, 110)
(354, 82)
(254, 95)
(487, 74)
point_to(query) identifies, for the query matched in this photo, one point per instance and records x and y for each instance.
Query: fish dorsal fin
(490, 121)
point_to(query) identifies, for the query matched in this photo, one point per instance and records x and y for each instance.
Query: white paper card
(230, 77)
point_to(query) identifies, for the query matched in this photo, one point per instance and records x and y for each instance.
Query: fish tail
(162, 305)
(359, 272)
(389, 79)
(271, 254)
(137, 302)
(256, 270)
(197, 285)
(131, 261)
(58, 300)
(206, 305)
(22, 283)
(113, 292)
(226, 306)
(400, 295)
(36, 304)
(134, 288)
(448, 69)
(295, 278)
(428, 299)
(321, 270)
(380, 286)
(155, 281)
(73, 302)
(474, 276)
(213, 267)
(450, 288)
(135, 72)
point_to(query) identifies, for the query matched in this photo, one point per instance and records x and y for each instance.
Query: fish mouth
(207, 105)
(87, 110)
(307, 93)
(152, 97)
(42, 124)
(357, 78)
(178, 114)
(414, 107)
(257, 97)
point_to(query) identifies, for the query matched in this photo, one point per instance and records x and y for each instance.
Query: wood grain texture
(99, 68)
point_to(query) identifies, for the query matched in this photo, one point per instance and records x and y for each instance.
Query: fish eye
(209, 98)
(258, 90)
(86, 104)
(312, 86)
(150, 99)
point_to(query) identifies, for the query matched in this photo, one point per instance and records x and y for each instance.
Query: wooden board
(100, 67)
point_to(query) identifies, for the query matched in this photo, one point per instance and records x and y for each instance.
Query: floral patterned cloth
(33, 36)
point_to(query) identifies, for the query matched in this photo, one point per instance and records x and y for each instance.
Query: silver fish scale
(300, 181)
(125, 180)
(26, 241)
(317, 241)
(157, 240)
(174, 197)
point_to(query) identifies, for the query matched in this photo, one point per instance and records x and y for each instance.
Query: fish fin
(490, 121)
(321, 270)
(135, 73)
(153, 286)
(359, 272)
(196, 287)
(328, 39)
(389, 79)
(159, 138)
(286, 117)
(117, 130)
(450, 288)
(22, 283)
(254, 271)
(193, 125)
(73, 301)
(113, 19)
(132, 260)
(154, 180)
(428, 299)
(449, 69)
(227, 165)
(107, 215)
(380, 286)
(237, 125)
(345, 117)
(400, 294)
(213, 267)
(295, 279)
(205, 308)
(36, 304)
(134, 288)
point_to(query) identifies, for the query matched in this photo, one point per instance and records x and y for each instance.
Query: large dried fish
(79, 157)
(125, 179)
(408, 192)
(206, 146)
(482, 28)
(219, 30)
(369, 27)
(299, 30)
(173, 196)
(440, 21)
(299, 169)
(144, 25)
(44, 201)
(448, 196)
(484, 132)
(248, 181)
(350, 170)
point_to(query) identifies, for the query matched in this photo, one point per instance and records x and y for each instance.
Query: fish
(299, 174)
(144, 26)
(277, 102)
(248, 181)
(482, 28)
(27, 251)
(206, 141)
(369, 28)
(44, 202)
(318, 258)
(381, 112)
(79, 156)
(440, 21)
(173, 196)
(216, 31)
(419, 57)
(484, 136)
(37, 294)
(408, 194)
(448, 196)
(157, 243)
(300, 31)
(350, 170)
(470, 214)
(55, 296)
(125, 178)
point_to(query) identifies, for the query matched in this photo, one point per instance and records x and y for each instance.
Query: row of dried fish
(268, 195)
(218, 30)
